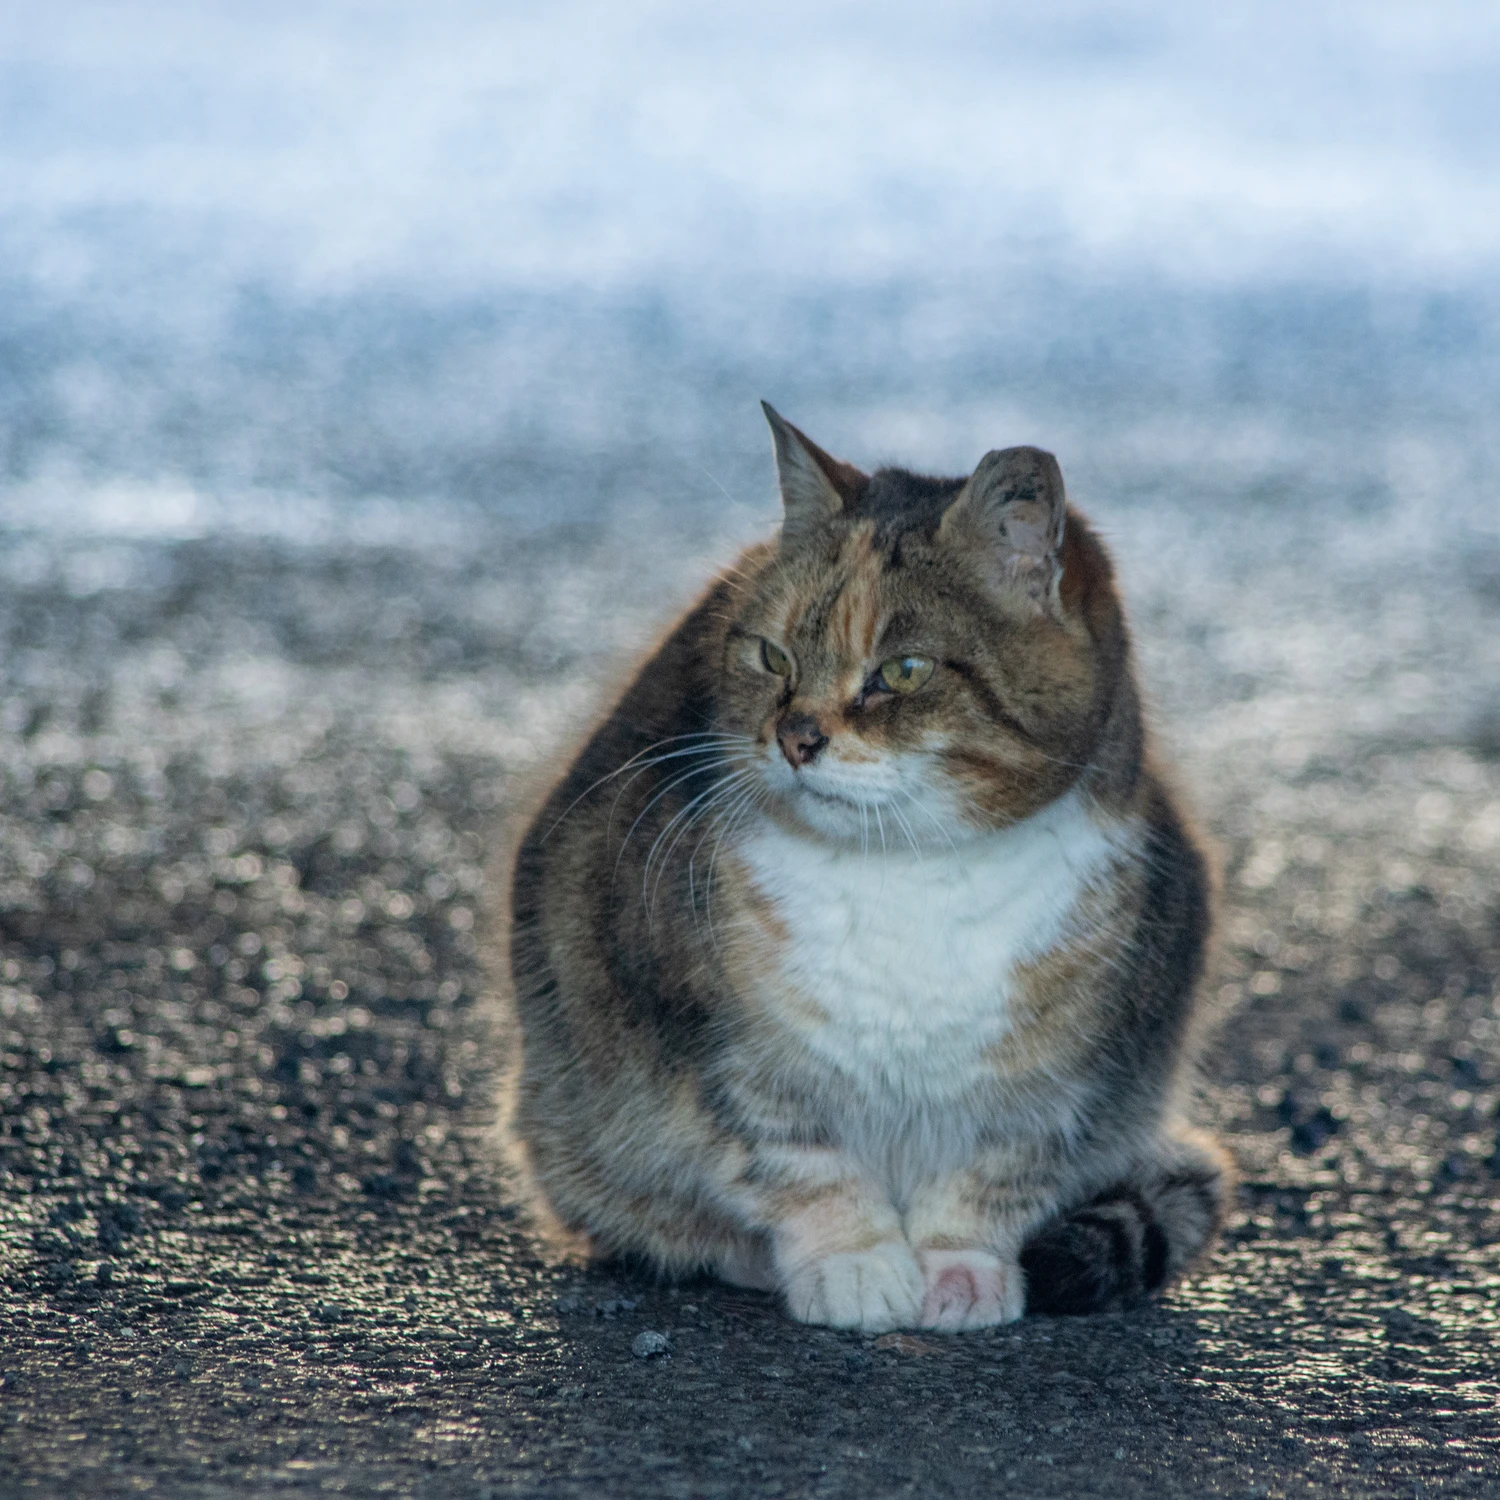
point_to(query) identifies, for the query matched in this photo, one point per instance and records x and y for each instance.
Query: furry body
(912, 961)
(878, 997)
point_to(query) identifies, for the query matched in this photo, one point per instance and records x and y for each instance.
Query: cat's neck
(1064, 830)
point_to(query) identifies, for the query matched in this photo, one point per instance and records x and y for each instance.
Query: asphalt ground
(254, 1237)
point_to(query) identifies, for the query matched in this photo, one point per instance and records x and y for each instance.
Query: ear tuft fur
(815, 487)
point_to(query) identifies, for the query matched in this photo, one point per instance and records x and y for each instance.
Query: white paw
(969, 1289)
(872, 1290)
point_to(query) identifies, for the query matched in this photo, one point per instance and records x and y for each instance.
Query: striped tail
(1130, 1240)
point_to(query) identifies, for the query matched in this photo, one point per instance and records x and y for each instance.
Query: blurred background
(448, 280)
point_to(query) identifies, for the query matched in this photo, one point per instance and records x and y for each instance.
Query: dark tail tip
(1065, 1273)
(1108, 1255)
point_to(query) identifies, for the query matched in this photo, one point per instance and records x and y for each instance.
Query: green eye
(774, 659)
(905, 674)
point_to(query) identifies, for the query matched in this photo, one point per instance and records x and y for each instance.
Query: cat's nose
(800, 739)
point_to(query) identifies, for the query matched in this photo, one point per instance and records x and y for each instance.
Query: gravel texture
(253, 1239)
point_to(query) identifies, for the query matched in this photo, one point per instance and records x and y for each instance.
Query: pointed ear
(815, 487)
(1013, 509)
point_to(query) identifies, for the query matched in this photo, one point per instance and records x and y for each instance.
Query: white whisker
(721, 789)
(676, 781)
(897, 814)
(720, 814)
(932, 818)
(754, 799)
(637, 761)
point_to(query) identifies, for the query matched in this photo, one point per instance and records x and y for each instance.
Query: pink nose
(800, 739)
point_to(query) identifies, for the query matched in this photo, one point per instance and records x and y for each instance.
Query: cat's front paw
(870, 1290)
(969, 1289)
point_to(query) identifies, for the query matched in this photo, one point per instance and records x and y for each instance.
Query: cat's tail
(1130, 1240)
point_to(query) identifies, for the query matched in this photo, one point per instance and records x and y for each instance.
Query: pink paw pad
(958, 1285)
(968, 1289)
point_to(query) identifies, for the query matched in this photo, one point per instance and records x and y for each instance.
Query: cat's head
(922, 658)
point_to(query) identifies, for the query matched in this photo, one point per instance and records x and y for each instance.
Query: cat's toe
(969, 1289)
(871, 1290)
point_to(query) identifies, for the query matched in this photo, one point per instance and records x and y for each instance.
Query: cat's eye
(905, 674)
(774, 659)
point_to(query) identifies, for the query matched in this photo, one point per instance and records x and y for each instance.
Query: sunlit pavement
(254, 1240)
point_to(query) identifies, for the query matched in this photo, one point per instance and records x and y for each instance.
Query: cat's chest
(904, 968)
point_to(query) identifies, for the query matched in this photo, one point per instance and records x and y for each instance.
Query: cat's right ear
(815, 487)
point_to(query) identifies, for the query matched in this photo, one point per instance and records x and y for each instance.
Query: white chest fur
(909, 959)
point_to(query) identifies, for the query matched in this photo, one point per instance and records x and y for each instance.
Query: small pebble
(613, 1307)
(649, 1344)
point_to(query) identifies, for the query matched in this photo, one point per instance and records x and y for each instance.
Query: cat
(854, 958)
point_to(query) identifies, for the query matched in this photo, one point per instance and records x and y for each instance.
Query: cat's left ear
(815, 487)
(1013, 508)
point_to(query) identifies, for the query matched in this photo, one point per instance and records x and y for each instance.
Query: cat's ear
(815, 487)
(1013, 509)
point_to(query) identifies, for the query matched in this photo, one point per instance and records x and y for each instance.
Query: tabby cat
(854, 956)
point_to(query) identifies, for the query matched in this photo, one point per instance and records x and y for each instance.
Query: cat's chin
(900, 826)
(835, 816)
(823, 813)
(831, 814)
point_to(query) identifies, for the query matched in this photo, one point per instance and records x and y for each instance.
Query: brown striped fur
(930, 1081)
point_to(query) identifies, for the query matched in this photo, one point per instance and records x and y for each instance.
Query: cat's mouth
(835, 798)
(839, 799)
(824, 795)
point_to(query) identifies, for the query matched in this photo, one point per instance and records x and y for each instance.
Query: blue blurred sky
(542, 259)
